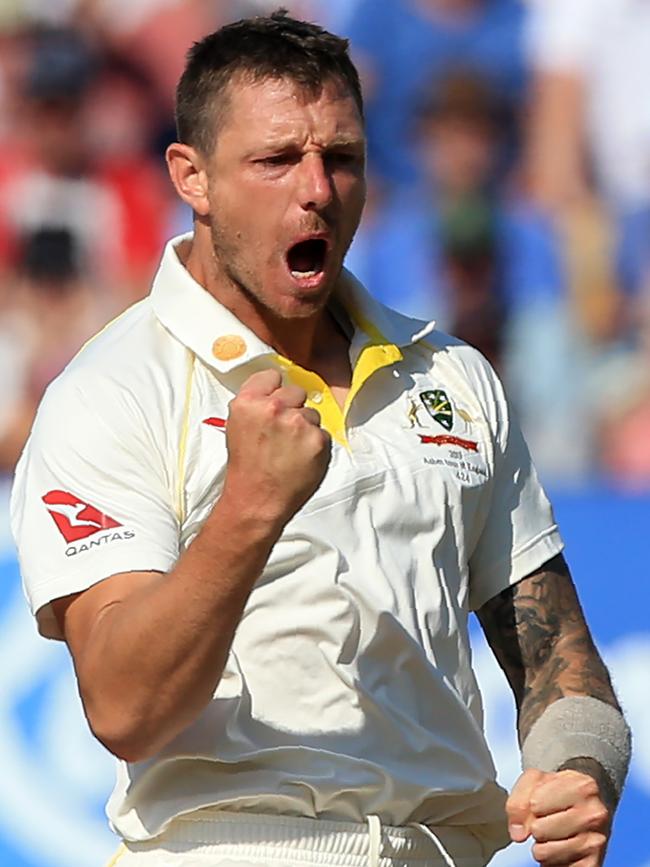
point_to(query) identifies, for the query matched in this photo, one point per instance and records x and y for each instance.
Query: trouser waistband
(264, 838)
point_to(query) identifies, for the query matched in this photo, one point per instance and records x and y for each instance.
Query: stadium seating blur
(505, 201)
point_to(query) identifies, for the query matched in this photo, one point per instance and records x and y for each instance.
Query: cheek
(352, 194)
(232, 217)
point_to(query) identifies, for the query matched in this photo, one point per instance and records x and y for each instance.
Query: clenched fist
(564, 813)
(277, 451)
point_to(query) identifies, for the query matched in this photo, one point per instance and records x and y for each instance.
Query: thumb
(262, 383)
(518, 805)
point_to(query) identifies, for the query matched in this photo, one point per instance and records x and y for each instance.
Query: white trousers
(214, 838)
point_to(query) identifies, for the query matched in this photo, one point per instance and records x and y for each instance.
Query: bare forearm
(538, 633)
(152, 664)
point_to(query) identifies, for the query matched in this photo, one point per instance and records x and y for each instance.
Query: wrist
(241, 512)
(580, 728)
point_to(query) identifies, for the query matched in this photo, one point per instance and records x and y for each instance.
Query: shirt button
(228, 347)
(315, 396)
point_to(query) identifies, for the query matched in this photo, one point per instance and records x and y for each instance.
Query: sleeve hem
(41, 595)
(533, 554)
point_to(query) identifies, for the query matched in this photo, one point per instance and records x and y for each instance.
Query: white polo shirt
(348, 690)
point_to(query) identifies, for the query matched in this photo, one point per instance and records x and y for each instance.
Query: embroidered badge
(438, 405)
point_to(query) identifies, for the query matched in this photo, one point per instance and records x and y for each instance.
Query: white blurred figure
(588, 161)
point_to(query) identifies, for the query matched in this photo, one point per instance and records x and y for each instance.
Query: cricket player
(260, 506)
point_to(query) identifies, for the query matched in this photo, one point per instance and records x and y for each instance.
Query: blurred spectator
(592, 63)
(588, 161)
(624, 430)
(625, 440)
(153, 34)
(111, 198)
(590, 131)
(405, 48)
(52, 311)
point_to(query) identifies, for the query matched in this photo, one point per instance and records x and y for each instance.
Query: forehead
(278, 108)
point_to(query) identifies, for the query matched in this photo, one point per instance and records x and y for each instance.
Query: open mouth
(307, 258)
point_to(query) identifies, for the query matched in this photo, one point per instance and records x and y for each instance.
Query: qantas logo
(216, 422)
(74, 518)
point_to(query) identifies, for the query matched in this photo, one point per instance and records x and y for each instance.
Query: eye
(282, 159)
(343, 159)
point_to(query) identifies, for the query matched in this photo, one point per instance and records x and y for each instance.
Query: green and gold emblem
(438, 405)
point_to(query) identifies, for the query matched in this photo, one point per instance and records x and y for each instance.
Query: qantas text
(71, 550)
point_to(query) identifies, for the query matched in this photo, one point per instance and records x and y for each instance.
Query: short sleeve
(519, 532)
(91, 496)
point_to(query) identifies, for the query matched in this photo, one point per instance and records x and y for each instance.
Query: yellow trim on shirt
(121, 851)
(372, 358)
(319, 397)
(182, 448)
(377, 353)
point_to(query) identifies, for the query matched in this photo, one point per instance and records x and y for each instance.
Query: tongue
(302, 261)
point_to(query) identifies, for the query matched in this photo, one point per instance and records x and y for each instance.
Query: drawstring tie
(374, 840)
(374, 835)
(446, 857)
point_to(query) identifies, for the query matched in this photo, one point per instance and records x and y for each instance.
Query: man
(278, 501)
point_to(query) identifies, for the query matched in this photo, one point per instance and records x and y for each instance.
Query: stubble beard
(242, 281)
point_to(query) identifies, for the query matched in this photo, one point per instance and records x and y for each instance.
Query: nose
(315, 188)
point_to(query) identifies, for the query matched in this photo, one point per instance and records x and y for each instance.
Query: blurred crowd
(509, 164)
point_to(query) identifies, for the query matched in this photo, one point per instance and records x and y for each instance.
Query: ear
(187, 170)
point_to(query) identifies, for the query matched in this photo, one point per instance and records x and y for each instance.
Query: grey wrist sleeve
(580, 727)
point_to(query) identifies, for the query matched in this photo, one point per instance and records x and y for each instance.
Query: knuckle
(273, 406)
(537, 827)
(595, 842)
(599, 816)
(590, 845)
(513, 803)
(588, 787)
(243, 399)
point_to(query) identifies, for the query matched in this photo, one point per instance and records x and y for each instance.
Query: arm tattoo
(538, 634)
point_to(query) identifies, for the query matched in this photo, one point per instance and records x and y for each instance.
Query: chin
(302, 308)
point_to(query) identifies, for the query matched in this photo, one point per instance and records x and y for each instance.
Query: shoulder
(465, 360)
(129, 365)
(131, 344)
(120, 400)
(466, 371)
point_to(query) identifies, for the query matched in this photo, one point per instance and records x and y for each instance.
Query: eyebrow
(285, 144)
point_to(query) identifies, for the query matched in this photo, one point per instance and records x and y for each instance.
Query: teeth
(299, 274)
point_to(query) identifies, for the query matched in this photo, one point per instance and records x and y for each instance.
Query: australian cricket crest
(438, 405)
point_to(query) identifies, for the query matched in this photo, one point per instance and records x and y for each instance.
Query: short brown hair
(274, 46)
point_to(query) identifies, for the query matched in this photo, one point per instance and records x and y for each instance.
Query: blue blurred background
(509, 164)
